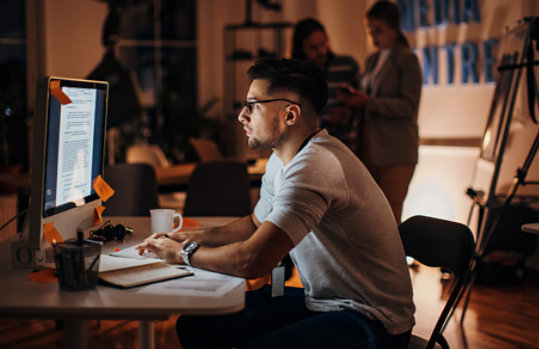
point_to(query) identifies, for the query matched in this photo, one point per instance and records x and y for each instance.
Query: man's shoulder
(323, 151)
(273, 163)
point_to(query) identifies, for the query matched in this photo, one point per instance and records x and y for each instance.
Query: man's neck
(293, 145)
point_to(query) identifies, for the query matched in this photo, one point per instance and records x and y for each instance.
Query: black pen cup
(77, 264)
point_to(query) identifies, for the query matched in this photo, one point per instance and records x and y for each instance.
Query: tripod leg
(453, 309)
(457, 301)
(468, 291)
(470, 278)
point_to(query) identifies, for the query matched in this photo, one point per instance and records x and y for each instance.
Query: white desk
(22, 298)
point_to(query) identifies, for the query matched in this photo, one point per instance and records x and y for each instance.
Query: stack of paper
(129, 272)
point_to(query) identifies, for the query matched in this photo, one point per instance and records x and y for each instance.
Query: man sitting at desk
(318, 202)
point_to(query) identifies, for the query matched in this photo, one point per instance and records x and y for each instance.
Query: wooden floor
(498, 317)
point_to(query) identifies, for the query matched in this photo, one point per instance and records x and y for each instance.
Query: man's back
(353, 258)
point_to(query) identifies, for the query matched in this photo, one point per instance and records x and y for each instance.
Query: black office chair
(439, 243)
(135, 189)
(218, 188)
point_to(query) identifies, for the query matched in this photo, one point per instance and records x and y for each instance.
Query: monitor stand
(26, 253)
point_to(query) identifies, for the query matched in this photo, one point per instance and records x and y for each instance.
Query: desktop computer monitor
(68, 154)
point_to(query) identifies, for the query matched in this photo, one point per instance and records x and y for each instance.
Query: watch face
(190, 246)
(187, 251)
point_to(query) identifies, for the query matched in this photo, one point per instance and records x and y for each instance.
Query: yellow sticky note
(56, 91)
(102, 188)
(51, 234)
(98, 216)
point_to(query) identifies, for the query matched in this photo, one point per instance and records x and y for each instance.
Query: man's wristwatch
(187, 250)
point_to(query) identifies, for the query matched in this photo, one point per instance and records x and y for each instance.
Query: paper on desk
(108, 263)
(203, 284)
(131, 252)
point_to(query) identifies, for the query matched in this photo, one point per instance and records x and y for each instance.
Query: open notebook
(128, 272)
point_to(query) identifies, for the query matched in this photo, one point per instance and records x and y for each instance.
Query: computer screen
(74, 146)
(68, 155)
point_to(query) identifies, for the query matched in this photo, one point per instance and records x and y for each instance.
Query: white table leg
(146, 334)
(75, 334)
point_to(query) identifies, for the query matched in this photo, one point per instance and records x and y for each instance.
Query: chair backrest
(135, 189)
(147, 154)
(206, 149)
(218, 188)
(440, 243)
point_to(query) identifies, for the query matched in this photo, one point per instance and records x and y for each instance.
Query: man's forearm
(239, 230)
(249, 258)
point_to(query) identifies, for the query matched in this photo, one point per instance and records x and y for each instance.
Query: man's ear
(293, 113)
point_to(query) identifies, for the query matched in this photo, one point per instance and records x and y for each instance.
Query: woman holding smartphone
(389, 94)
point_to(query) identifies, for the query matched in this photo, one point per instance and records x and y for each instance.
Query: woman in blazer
(389, 96)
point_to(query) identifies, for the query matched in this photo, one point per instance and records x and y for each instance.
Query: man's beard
(256, 144)
(276, 139)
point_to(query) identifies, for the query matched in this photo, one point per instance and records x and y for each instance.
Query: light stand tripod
(488, 231)
(519, 179)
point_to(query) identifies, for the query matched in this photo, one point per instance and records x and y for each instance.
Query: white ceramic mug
(163, 220)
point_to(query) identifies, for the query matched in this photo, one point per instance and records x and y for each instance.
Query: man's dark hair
(302, 30)
(299, 76)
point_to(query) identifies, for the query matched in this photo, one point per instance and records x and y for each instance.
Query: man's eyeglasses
(249, 105)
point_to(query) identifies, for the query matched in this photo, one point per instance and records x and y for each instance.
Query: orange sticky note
(56, 91)
(116, 249)
(98, 214)
(51, 234)
(188, 222)
(102, 188)
(255, 284)
(43, 276)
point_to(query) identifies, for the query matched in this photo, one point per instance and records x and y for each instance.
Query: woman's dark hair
(302, 30)
(390, 14)
(294, 75)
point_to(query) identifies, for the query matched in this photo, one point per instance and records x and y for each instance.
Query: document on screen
(76, 137)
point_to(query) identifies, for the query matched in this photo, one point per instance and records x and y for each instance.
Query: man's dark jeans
(285, 322)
